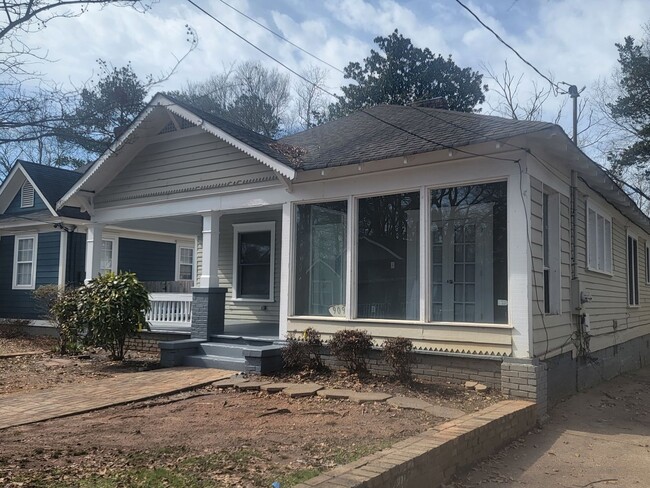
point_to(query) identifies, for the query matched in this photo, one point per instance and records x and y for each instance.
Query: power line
(554, 85)
(317, 86)
(280, 36)
(254, 46)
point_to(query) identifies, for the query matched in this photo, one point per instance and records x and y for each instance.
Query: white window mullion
(25, 257)
(351, 269)
(425, 253)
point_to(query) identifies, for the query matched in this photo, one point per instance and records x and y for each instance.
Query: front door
(461, 273)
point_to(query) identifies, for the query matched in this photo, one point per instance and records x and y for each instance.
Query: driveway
(595, 439)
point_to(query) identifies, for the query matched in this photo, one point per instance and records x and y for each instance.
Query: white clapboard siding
(246, 311)
(550, 332)
(195, 163)
(612, 321)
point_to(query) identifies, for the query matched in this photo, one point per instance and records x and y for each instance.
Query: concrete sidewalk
(26, 408)
(597, 438)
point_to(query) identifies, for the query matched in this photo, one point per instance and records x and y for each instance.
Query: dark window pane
(321, 234)
(388, 257)
(254, 267)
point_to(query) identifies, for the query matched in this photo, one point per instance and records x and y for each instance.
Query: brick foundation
(148, 341)
(525, 378)
(438, 367)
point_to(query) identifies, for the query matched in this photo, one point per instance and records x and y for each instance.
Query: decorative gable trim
(185, 115)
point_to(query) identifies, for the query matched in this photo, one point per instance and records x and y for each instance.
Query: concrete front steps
(236, 353)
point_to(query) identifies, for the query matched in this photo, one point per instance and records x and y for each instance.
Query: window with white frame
(647, 263)
(469, 254)
(388, 257)
(254, 253)
(27, 195)
(551, 255)
(108, 261)
(25, 262)
(599, 240)
(320, 258)
(632, 270)
(185, 263)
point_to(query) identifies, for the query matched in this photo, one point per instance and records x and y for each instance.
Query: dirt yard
(48, 369)
(206, 437)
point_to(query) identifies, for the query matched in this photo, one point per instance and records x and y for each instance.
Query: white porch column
(63, 257)
(286, 265)
(210, 252)
(519, 263)
(93, 251)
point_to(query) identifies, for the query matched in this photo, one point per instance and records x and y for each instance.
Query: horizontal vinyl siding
(47, 267)
(193, 163)
(550, 331)
(609, 293)
(149, 260)
(14, 206)
(76, 259)
(20, 303)
(242, 311)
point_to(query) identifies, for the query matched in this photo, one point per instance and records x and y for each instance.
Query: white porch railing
(170, 310)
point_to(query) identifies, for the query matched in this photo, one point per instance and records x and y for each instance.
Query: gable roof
(260, 142)
(388, 131)
(255, 145)
(52, 182)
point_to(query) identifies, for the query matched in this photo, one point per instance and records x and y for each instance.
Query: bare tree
(247, 93)
(310, 101)
(32, 109)
(507, 87)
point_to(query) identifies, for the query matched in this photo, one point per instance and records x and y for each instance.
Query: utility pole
(574, 94)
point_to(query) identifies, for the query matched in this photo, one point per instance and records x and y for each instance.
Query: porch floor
(269, 331)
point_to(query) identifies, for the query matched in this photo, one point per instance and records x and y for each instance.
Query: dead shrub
(352, 347)
(397, 352)
(303, 352)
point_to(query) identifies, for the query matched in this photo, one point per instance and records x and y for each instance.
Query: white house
(496, 245)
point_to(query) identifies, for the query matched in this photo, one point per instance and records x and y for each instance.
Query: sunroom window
(321, 259)
(388, 264)
(469, 281)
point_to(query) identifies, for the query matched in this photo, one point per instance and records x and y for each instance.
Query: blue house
(41, 245)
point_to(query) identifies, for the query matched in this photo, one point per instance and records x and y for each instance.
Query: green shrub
(352, 347)
(397, 352)
(302, 353)
(62, 309)
(113, 308)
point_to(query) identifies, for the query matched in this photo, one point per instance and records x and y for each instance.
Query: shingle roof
(373, 134)
(52, 182)
(257, 141)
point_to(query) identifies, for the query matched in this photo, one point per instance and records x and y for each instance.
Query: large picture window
(469, 281)
(388, 263)
(25, 262)
(254, 261)
(320, 258)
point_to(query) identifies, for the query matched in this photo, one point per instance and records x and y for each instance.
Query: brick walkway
(26, 408)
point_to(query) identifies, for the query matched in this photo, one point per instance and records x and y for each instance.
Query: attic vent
(27, 195)
(170, 127)
(185, 124)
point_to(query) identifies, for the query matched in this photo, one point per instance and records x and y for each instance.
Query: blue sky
(571, 39)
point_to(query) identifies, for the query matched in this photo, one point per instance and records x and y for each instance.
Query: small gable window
(27, 195)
